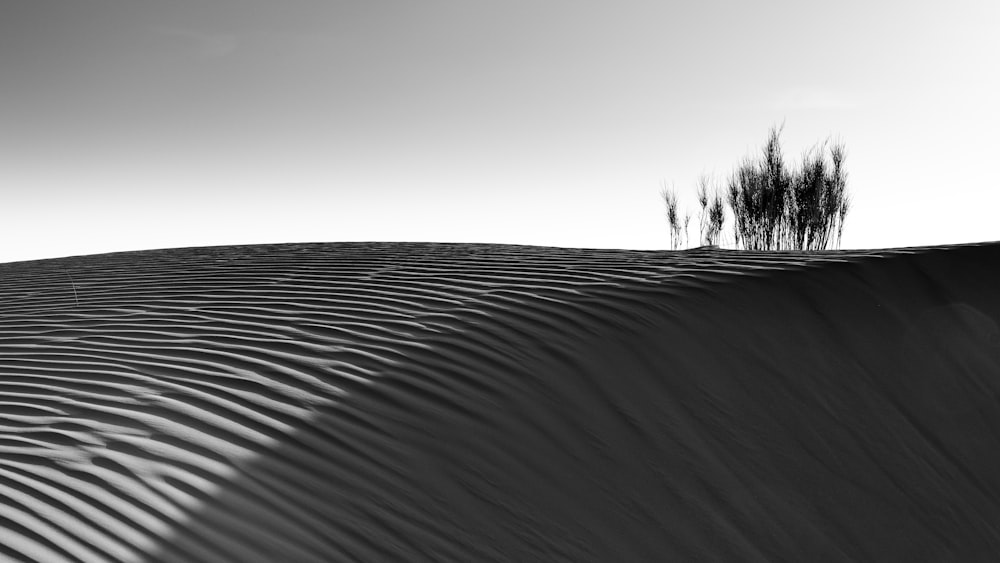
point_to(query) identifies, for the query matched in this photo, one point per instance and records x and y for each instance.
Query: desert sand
(462, 402)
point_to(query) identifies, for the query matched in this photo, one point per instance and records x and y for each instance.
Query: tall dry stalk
(712, 216)
(674, 221)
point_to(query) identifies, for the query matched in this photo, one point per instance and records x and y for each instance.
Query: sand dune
(458, 402)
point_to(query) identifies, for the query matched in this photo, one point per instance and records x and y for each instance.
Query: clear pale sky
(134, 124)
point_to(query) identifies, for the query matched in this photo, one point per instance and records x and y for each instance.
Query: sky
(134, 124)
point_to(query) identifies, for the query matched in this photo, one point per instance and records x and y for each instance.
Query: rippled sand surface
(460, 402)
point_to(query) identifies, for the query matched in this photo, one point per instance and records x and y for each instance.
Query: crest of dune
(461, 402)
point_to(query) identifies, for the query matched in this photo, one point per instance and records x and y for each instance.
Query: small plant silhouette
(713, 213)
(678, 224)
(774, 207)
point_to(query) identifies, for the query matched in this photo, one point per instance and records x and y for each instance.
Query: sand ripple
(436, 402)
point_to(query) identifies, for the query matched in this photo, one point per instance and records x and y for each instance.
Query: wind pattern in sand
(447, 402)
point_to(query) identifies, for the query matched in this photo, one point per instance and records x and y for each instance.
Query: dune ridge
(463, 402)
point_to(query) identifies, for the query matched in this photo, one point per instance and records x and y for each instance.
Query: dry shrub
(776, 208)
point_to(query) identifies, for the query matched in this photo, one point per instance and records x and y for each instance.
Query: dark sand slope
(420, 402)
